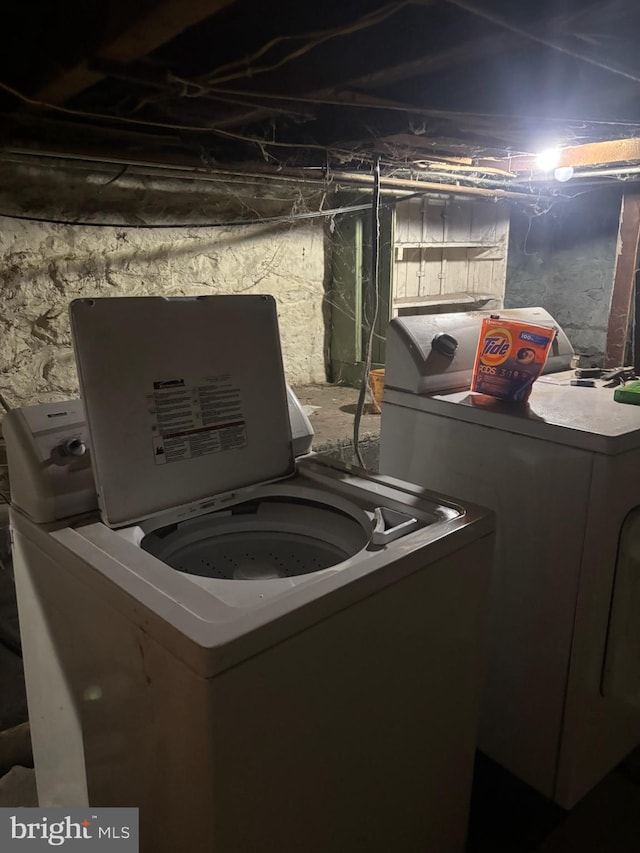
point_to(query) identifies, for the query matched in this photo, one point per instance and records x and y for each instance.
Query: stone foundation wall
(564, 261)
(43, 267)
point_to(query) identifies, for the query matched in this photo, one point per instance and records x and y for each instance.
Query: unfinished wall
(564, 261)
(44, 266)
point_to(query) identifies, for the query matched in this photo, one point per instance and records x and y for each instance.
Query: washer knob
(73, 447)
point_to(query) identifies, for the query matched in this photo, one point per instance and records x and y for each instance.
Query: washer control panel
(49, 460)
(49, 457)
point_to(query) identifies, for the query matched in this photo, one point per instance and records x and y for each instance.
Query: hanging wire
(314, 39)
(375, 290)
(266, 220)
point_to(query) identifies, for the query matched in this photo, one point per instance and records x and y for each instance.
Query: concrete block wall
(44, 266)
(564, 261)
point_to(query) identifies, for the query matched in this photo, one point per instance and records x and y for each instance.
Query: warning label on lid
(192, 418)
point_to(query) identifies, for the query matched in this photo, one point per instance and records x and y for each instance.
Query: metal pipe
(286, 175)
(489, 182)
(432, 186)
(612, 172)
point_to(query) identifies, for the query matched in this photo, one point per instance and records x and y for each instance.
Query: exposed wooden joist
(547, 41)
(441, 60)
(468, 51)
(599, 153)
(423, 65)
(608, 153)
(351, 89)
(623, 279)
(159, 26)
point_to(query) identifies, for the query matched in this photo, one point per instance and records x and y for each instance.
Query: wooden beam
(468, 51)
(623, 279)
(611, 152)
(547, 41)
(161, 25)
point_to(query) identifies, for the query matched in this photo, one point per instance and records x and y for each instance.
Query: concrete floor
(506, 816)
(331, 410)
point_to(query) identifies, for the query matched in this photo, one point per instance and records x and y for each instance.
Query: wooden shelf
(451, 244)
(482, 251)
(442, 298)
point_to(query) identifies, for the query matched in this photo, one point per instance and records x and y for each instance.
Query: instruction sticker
(194, 418)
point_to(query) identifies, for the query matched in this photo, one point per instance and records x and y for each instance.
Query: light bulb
(563, 174)
(548, 160)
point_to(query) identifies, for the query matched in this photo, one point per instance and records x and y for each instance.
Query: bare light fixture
(563, 174)
(548, 160)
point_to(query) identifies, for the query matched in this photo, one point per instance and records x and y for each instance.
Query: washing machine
(561, 704)
(262, 654)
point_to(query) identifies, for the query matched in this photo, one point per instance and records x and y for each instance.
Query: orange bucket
(376, 382)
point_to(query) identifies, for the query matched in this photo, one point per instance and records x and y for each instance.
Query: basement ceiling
(289, 84)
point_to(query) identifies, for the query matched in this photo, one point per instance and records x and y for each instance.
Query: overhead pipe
(285, 175)
(433, 186)
(613, 172)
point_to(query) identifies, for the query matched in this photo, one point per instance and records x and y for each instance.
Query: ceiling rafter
(470, 50)
(160, 25)
(348, 89)
(545, 40)
(467, 51)
(608, 152)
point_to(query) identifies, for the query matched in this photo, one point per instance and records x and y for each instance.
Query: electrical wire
(319, 37)
(314, 40)
(260, 142)
(33, 102)
(117, 177)
(267, 220)
(375, 292)
(191, 128)
(4, 404)
(314, 146)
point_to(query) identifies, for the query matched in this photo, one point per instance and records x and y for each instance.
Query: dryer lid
(185, 399)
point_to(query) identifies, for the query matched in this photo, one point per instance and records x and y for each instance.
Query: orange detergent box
(509, 358)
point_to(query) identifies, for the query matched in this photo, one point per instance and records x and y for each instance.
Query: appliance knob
(73, 447)
(445, 344)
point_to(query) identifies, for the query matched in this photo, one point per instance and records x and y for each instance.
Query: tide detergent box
(509, 358)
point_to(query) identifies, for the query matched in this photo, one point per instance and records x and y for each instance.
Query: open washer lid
(185, 399)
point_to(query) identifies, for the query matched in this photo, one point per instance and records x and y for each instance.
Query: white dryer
(261, 655)
(561, 701)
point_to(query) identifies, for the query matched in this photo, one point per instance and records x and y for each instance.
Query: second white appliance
(562, 697)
